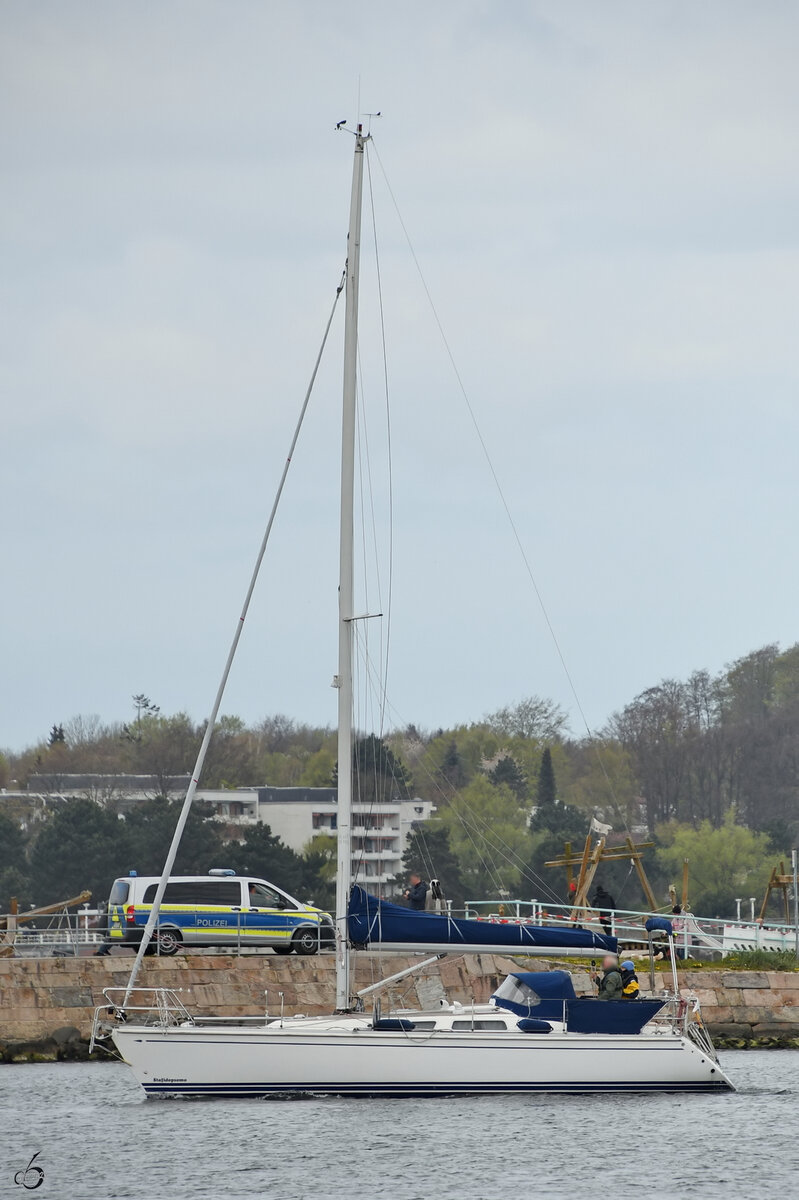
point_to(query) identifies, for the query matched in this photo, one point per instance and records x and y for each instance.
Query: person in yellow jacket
(629, 981)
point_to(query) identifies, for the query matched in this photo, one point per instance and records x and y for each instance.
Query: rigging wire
(491, 867)
(371, 692)
(386, 391)
(361, 695)
(373, 686)
(365, 459)
(620, 891)
(385, 782)
(500, 846)
(361, 690)
(500, 491)
(425, 853)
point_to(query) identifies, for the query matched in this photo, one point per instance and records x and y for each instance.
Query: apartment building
(380, 831)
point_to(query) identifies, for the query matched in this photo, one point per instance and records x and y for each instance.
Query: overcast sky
(603, 199)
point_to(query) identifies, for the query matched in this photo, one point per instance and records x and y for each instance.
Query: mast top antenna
(358, 130)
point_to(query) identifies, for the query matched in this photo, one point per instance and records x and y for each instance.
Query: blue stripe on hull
(372, 1090)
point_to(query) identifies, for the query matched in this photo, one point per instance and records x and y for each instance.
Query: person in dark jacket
(603, 902)
(416, 893)
(610, 985)
(101, 925)
(630, 987)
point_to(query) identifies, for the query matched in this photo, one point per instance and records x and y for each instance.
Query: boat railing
(161, 1008)
(159, 1005)
(683, 1014)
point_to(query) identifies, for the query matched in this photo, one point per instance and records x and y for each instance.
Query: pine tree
(452, 767)
(553, 822)
(546, 791)
(551, 815)
(379, 775)
(508, 771)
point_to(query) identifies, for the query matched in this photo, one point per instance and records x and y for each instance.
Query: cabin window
(119, 892)
(477, 1024)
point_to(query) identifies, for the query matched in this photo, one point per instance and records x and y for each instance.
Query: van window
(199, 892)
(119, 892)
(264, 897)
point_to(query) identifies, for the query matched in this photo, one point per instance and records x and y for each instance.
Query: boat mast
(346, 584)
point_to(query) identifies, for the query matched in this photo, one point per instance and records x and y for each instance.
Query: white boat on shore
(530, 1038)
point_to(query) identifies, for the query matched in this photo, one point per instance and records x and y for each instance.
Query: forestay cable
(152, 920)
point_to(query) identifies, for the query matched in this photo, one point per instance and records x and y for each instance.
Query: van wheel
(169, 941)
(306, 941)
(282, 949)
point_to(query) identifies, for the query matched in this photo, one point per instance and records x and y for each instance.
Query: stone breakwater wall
(747, 1008)
(47, 1004)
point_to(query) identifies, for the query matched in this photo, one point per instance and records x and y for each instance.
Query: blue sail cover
(373, 921)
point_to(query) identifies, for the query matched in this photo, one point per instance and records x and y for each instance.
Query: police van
(217, 909)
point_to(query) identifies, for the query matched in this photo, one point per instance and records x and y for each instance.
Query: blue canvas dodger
(550, 996)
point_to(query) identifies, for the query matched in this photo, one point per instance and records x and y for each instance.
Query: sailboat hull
(258, 1063)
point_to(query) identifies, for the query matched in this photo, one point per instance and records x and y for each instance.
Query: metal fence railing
(690, 931)
(85, 932)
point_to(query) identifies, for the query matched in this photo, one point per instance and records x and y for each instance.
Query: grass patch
(760, 960)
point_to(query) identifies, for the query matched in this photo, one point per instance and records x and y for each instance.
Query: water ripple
(98, 1139)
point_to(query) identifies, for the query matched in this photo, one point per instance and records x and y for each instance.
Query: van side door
(270, 919)
(218, 918)
(207, 912)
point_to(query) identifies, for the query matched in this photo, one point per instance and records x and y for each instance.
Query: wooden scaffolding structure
(778, 881)
(588, 863)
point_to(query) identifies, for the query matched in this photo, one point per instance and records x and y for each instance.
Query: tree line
(707, 767)
(83, 845)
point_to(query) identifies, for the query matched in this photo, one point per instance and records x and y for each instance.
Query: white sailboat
(534, 1036)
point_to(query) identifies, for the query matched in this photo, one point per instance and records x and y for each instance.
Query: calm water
(98, 1138)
